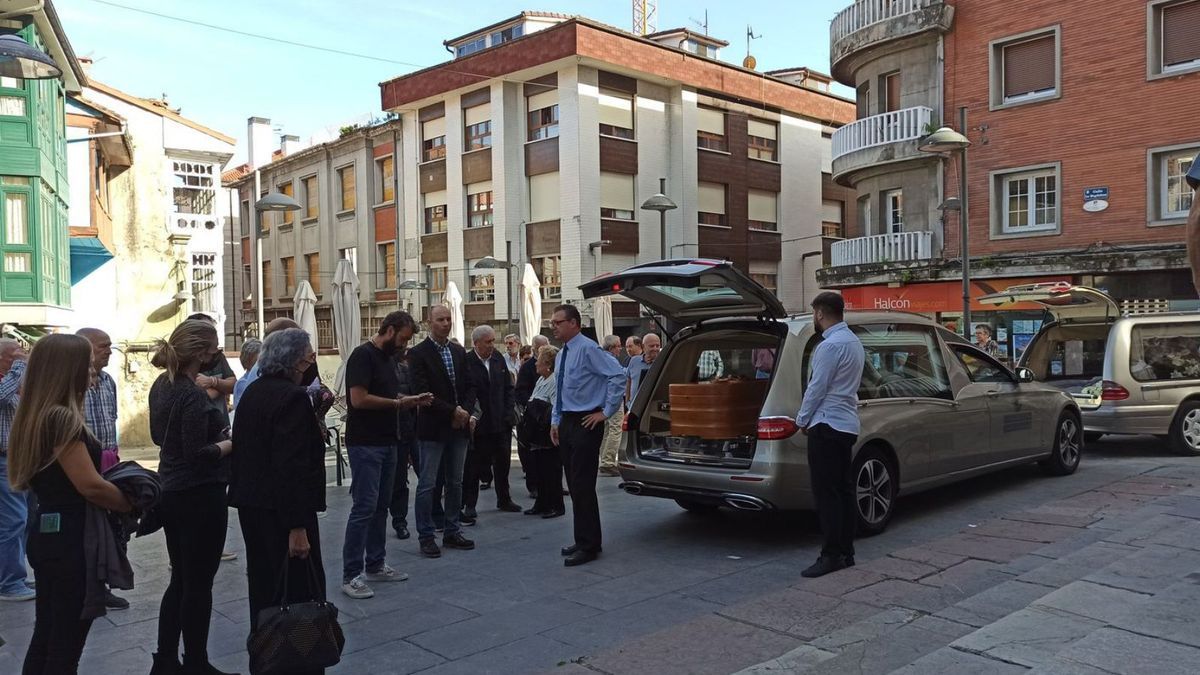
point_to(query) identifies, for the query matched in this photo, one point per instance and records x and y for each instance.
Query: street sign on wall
(1095, 199)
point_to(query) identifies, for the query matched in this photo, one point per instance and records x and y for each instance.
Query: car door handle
(993, 394)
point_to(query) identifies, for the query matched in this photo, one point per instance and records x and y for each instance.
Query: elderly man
(1193, 222)
(633, 347)
(612, 427)
(512, 354)
(252, 374)
(14, 506)
(638, 365)
(492, 434)
(527, 379)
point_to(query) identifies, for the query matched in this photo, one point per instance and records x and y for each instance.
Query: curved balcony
(867, 24)
(879, 139)
(882, 248)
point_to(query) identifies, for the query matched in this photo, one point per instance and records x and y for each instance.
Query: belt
(584, 413)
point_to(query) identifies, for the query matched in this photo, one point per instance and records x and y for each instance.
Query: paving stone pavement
(1093, 573)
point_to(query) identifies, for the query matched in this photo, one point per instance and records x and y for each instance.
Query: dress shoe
(402, 532)
(569, 550)
(485, 486)
(458, 541)
(508, 507)
(824, 565)
(535, 511)
(429, 549)
(554, 514)
(848, 560)
(165, 664)
(465, 519)
(113, 602)
(580, 558)
(470, 512)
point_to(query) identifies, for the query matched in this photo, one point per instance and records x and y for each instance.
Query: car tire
(1092, 436)
(875, 487)
(1185, 430)
(696, 507)
(1067, 449)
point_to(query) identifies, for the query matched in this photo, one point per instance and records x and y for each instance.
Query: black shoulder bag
(299, 636)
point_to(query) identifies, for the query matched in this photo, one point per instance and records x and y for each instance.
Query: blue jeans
(14, 516)
(372, 471)
(451, 455)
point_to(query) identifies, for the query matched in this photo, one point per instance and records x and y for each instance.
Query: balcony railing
(882, 248)
(891, 127)
(866, 13)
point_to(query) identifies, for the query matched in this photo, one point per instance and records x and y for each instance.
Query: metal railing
(866, 13)
(891, 127)
(882, 248)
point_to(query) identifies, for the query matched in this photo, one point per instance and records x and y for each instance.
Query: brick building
(1081, 131)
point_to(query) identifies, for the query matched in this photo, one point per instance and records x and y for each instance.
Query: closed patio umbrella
(454, 300)
(602, 318)
(305, 310)
(347, 321)
(531, 305)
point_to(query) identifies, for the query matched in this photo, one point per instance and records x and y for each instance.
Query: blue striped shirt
(100, 410)
(10, 385)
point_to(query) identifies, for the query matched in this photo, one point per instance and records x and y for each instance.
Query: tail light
(1111, 391)
(627, 422)
(776, 428)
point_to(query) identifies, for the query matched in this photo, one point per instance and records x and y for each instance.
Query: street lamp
(413, 285)
(20, 60)
(661, 203)
(596, 248)
(948, 141)
(491, 263)
(274, 201)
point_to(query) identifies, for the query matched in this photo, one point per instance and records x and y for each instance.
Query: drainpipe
(397, 204)
(235, 264)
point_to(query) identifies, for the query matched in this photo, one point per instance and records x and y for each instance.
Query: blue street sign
(1092, 194)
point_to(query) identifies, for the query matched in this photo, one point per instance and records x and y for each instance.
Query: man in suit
(527, 379)
(439, 366)
(492, 447)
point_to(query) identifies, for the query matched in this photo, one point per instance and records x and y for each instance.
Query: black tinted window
(980, 367)
(902, 361)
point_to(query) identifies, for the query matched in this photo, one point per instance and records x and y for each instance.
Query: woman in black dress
(51, 452)
(194, 446)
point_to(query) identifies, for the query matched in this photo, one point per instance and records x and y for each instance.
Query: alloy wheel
(873, 492)
(1191, 429)
(1068, 442)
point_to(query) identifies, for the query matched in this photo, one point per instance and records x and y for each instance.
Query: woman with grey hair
(278, 483)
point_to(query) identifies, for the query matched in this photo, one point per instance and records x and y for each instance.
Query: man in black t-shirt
(374, 397)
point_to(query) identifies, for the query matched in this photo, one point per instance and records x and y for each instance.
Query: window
(1174, 196)
(616, 114)
(893, 210)
(832, 218)
(865, 225)
(346, 183)
(1025, 69)
(1175, 37)
(478, 131)
(508, 34)
(435, 212)
(616, 196)
(433, 135)
(244, 218)
(543, 115)
(710, 130)
(767, 280)
(312, 262)
(350, 254)
(902, 361)
(701, 49)
(1028, 201)
(482, 283)
(891, 92)
(247, 284)
(437, 279)
(387, 264)
(863, 100)
(479, 206)
(711, 204)
(543, 197)
(18, 254)
(549, 273)
(287, 217)
(312, 198)
(980, 367)
(204, 282)
(471, 47)
(763, 140)
(266, 278)
(762, 210)
(289, 275)
(193, 189)
(1169, 351)
(385, 168)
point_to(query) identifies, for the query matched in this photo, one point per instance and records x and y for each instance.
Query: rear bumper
(1130, 419)
(736, 500)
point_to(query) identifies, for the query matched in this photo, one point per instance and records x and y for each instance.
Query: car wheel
(1092, 436)
(875, 488)
(696, 507)
(1185, 430)
(1068, 447)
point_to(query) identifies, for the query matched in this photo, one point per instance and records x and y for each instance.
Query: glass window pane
(18, 262)
(16, 219)
(12, 105)
(902, 361)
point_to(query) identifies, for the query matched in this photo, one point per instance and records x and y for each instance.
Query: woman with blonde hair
(51, 452)
(194, 446)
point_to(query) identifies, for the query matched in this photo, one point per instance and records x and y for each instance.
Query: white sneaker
(358, 589)
(228, 555)
(19, 596)
(386, 573)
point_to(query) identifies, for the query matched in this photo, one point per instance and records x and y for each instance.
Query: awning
(87, 255)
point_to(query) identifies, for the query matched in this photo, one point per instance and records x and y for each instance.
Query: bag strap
(314, 583)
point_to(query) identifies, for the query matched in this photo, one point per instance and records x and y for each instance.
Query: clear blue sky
(219, 78)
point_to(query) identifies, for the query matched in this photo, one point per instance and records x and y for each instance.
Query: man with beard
(374, 397)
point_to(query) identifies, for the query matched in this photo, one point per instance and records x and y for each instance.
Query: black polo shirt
(370, 368)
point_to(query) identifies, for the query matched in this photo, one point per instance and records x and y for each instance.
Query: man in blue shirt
(590, 384)
(639, 366)
(829, 417)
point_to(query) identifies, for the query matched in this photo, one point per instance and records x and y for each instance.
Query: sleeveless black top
(54, 490)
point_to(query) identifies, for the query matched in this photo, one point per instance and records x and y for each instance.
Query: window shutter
(616, 191)
(763, 206)
(893, 92)
(761, 129)
(616, 110)
(543, 100)
(476, 188)
(1180, 33)
(433, 129)
(477, 114)
(1029, 66)
(831, 211)
(543, 197)
(712, 121)
(435, 198)
(711, 198)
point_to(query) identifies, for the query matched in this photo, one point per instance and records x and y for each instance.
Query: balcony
(868, 24)
(882, 248)
(879, 139)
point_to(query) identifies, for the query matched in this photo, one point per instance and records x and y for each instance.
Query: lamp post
(948, 141)
(274, 201)
(491, 263)
(596, 248)
(20, 60)
(661, 203)
(413, 285)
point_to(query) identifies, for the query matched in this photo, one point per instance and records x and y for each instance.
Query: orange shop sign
(938, 296)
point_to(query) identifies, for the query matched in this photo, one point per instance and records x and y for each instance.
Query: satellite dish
(749, 62)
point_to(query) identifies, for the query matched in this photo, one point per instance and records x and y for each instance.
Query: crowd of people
(446, 412)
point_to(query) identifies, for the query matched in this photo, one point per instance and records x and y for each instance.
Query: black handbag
(297, 636)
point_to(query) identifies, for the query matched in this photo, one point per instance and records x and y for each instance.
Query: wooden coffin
(717, 410)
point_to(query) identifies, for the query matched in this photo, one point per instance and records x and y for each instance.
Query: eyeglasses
(556, 322)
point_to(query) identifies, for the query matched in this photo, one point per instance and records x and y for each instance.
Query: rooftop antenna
(704, 24)
(645, 17)
(750, 62)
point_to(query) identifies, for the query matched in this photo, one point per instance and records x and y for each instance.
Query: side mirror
(1024, 375)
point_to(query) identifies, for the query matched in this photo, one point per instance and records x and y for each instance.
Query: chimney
(288, 144)
(259, 141)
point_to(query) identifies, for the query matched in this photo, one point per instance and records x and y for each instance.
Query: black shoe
(848, 561)
(402, 532)
(470, 512)
(201, 668)
(570, 550)
(113, 602)
(458, 541)
(535, 511)
(823, 566)
(485, 486)
(465, 519)
(429, 549)
(165, 664)
(556, 513)
(509, 507)
(580, 558)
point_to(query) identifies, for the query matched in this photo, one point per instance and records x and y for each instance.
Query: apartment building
(1080, 132)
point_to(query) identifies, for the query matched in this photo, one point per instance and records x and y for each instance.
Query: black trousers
(58, 632)
(581, 459)
(547, 465)
(266, 549)
(833, 487)
(194, 521)
(489, 454)
(407, 455)
(529, 466)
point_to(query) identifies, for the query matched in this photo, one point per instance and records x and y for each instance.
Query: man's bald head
(651, 346)
(440, 322)
(276, 325)
(540, 341)
(101, 346)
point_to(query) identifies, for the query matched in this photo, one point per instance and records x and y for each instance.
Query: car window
(902, 361)
(1169, 351)
(980, 367)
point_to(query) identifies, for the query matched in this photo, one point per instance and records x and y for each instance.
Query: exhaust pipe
(632, 488)
(745, 503)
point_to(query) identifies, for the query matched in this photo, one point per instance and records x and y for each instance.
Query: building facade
(1057, 190)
